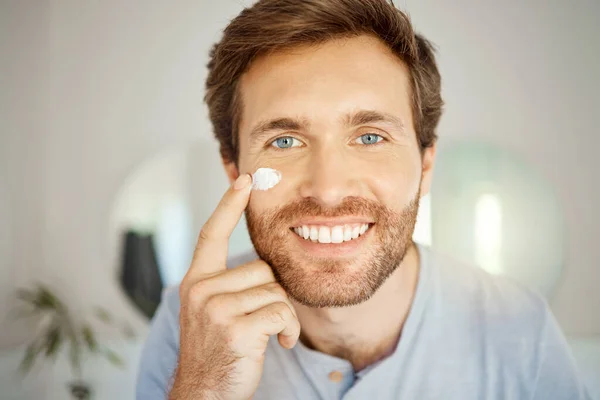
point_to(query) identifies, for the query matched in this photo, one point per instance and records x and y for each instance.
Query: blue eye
(286, 142)
(369, 138)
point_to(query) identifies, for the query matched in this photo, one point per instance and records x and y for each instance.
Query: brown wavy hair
(271, 25)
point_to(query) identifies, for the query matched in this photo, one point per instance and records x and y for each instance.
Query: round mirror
(490, 208)
(157, 215)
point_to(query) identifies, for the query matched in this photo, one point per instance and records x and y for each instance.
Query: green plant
(60, 328)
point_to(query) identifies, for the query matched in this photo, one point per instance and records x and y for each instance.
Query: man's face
(336, 121)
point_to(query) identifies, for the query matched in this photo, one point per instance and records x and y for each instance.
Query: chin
(331, 283)
(355, 249)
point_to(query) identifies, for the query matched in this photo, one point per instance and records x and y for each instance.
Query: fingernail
(242, 181)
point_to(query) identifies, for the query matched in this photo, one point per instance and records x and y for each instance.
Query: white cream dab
(265, 178)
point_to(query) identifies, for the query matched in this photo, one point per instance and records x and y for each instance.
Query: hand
(227, 316)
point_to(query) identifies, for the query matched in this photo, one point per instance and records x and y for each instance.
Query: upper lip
(337, 221)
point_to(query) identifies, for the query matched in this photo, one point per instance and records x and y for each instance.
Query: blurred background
(108, 170)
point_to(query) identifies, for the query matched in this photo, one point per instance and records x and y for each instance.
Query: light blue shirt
(469, 335)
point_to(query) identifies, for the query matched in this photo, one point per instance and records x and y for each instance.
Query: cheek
(276, 197)
(292, 174)
(262, 201)
(396, 183)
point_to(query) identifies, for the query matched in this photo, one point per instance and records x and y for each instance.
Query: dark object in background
(80, 390)
(140, 276)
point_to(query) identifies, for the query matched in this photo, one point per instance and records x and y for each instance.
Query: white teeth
(363, 228)
(337, 234)
(324, 234)
(305, 232)
(347, 233)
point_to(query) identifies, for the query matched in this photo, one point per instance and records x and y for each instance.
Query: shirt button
(336, 376)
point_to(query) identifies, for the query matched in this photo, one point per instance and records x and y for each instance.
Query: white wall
(23, 78)
(91, 89)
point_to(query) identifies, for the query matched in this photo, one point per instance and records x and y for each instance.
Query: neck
(367, 332)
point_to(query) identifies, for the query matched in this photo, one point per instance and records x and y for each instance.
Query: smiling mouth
(331, 234)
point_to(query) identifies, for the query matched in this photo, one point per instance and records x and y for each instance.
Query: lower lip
(333, 250)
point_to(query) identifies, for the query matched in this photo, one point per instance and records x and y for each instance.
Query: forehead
(321, 82)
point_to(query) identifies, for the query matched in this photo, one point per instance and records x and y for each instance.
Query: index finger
(210, 254)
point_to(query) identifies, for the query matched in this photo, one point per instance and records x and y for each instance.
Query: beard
(332, 282)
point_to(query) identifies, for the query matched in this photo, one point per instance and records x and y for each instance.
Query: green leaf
(30, 356)
(103, 315)
(53, 341)
(49, 300)
(40, 298)
(89, 338)
(113, 358)
(74, 347)
(75, 358)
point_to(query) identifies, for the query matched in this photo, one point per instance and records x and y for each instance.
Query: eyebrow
(358, 118)
(279, 124)
(365, 117)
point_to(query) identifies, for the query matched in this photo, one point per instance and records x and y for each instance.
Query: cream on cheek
(265, 178)
(270, 188)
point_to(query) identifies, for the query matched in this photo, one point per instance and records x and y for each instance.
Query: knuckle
(197, 293)
(203, 235)
(272, 291)
(280, 313)
(261, 294)
(215, 309)
(214, 303)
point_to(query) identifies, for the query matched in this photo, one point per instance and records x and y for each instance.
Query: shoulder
(495, 300)
(498, 317)
(511, 326)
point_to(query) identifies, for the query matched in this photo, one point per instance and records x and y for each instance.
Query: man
(343, 99)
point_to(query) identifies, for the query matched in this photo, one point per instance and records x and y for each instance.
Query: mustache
(309, 207)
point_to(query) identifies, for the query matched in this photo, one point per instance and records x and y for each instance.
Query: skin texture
(329, 172)
(350, 301)
(227, 316)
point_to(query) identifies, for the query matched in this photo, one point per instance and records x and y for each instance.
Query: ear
(427, 161)
(230, 169)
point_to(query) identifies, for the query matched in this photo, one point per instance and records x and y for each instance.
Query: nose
(330, 178)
